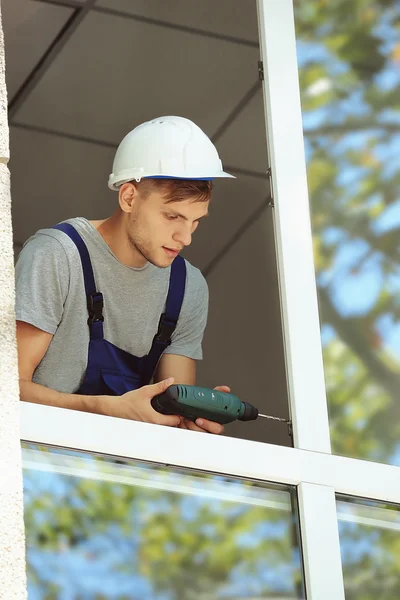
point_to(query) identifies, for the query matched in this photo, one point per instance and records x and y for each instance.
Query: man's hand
(136, 405)
(204, 425)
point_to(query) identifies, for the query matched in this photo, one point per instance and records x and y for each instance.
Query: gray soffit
(226, 20)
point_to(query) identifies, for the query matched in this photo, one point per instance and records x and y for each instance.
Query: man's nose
(183, 236)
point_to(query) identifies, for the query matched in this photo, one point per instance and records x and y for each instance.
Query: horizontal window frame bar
(233, 457)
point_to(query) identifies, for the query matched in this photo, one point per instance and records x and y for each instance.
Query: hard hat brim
(114, 183)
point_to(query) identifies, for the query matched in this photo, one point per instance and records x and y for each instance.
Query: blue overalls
(111, 370)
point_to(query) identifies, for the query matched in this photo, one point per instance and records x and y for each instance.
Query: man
(105, 306)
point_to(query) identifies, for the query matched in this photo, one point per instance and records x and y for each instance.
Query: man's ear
(127, 195)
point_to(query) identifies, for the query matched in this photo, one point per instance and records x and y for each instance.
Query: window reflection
(370, 542)
(103, 528)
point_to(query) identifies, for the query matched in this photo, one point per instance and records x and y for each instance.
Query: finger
(169, 421)
(222, 388)
(188, 424)
(193, 427)
(160, 387)
(210, 426)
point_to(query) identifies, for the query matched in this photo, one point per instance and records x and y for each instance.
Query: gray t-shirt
(50, 294)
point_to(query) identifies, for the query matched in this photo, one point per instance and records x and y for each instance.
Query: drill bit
(274, 418)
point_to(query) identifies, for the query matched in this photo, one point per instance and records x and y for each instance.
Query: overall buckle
(165, 329)
(95, 306)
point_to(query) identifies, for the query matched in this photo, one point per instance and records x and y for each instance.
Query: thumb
(222, 388)
(160, 387)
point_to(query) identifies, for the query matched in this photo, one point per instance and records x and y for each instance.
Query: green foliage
(351, 186)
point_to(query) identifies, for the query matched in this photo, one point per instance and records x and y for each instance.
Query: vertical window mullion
(292, 226)
(320, 542)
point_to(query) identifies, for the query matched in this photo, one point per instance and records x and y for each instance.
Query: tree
(349, 55)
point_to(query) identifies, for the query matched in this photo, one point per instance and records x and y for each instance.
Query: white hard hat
(170, 147)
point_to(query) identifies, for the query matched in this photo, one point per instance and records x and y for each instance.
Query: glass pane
(348, 56)
(101, 527)
(370, 548)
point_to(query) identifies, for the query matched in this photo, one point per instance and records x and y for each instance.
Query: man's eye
(171, 217)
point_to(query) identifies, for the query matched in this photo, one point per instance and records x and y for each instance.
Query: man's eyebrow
(177, 214)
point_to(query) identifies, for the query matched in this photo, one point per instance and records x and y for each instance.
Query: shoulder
(196, 282)
(44, 244)
(50, 243)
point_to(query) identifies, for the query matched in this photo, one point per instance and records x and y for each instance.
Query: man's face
(159, 230)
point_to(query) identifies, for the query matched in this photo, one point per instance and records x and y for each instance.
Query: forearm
(39, 394)
(134, 405)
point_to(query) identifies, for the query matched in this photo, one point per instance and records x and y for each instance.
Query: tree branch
(359, 344)
(351, 126)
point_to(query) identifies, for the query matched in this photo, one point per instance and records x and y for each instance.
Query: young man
(105, 306)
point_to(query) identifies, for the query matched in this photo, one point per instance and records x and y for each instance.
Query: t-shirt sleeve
(188, 335)
(41, 282)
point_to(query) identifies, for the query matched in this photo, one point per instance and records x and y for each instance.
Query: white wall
(12, 541)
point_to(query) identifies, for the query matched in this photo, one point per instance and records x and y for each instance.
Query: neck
(113, 232)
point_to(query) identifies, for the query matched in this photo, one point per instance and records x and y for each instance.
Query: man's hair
(176, 190)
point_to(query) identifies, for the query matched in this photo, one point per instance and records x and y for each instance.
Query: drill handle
(191, 403)
(167, 403)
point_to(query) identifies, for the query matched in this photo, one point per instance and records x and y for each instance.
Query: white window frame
(310, 466)
(318, 476)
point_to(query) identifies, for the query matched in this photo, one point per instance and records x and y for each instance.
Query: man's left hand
(204, 425)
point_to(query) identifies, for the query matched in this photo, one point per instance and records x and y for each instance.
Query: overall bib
(111, 370)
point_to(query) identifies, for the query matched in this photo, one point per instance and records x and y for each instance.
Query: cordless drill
(193, 402)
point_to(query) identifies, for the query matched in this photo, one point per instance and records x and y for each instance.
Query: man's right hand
(136, 405)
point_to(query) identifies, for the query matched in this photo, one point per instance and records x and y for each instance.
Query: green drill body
(193, 402)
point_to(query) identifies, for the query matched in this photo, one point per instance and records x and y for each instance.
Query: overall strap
(94, 298)
(169, 319)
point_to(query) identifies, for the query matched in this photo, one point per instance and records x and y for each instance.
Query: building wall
(12, 541)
